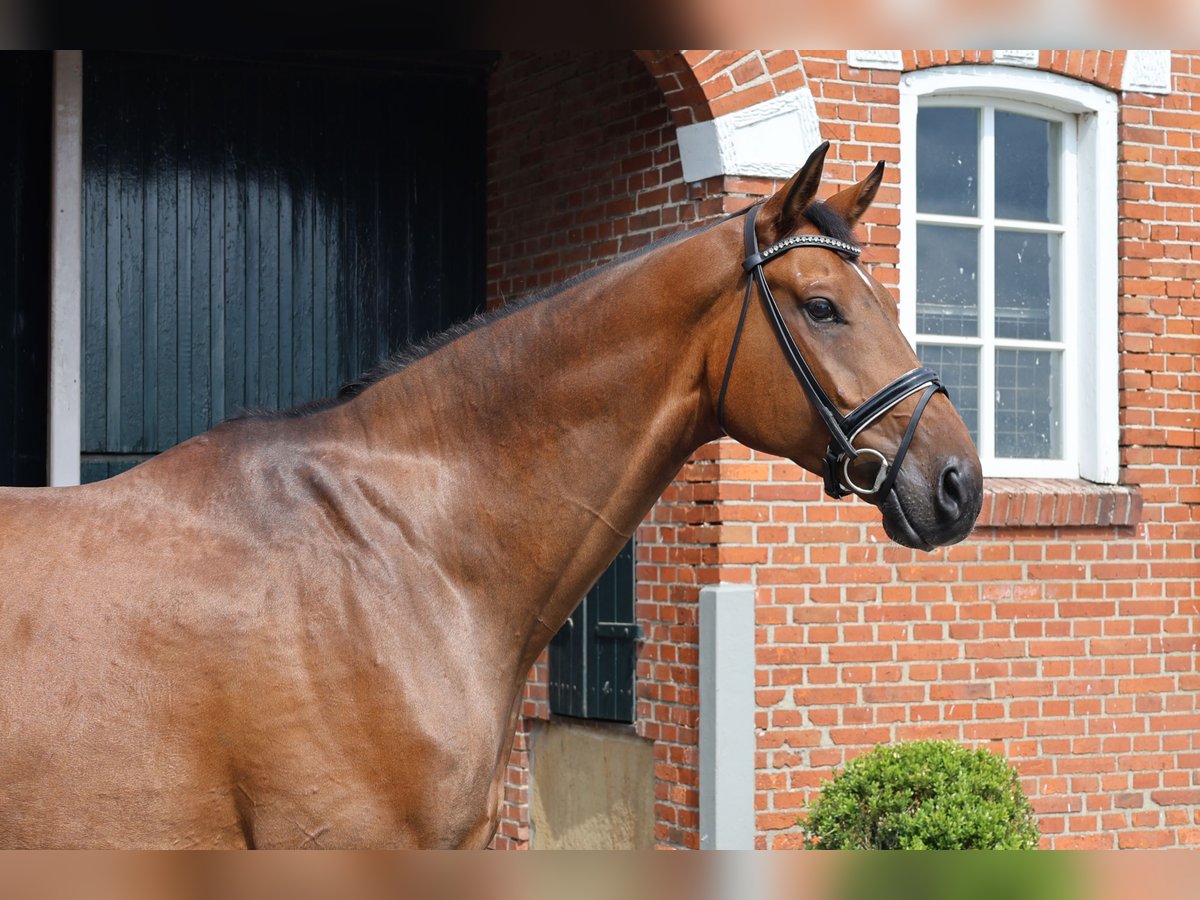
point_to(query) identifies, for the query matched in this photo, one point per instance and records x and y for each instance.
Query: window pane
(947, 280)
(947, 160)
(959, 368)
(1028, 417)
(1027, 285)
(1027, 154)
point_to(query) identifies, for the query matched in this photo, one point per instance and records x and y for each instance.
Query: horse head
(811, 365)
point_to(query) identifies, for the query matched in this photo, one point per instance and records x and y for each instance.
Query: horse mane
(824, 218)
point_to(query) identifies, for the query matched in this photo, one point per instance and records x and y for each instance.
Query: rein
(843, 429)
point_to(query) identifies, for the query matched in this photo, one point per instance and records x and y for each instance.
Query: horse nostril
(951, 492)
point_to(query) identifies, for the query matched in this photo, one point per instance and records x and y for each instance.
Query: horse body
(315, 630)
(267, 635)
(227, 688)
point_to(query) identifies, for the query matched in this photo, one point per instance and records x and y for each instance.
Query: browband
(801, 240)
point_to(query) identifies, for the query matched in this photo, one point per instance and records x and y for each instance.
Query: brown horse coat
(314, 630)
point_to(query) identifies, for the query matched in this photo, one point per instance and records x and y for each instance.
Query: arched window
(1009, 261)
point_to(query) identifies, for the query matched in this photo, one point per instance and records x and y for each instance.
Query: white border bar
(66, 270)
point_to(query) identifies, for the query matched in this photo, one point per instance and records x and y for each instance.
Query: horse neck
(556, 428)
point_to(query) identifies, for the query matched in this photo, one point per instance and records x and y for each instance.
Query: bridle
(842, 429)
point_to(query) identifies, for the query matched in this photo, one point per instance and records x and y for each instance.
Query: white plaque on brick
(1147, 71)
(1028, 58)
(875, 59)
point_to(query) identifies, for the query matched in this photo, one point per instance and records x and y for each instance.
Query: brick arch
(699, 85)
(1099, 67)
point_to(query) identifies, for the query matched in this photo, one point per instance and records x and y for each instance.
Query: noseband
(843, 429)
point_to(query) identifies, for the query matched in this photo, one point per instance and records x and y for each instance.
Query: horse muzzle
(923, 512)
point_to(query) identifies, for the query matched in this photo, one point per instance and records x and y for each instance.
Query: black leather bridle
(843, 429)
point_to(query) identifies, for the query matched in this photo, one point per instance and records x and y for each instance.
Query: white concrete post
(66, 269)
(727, 741)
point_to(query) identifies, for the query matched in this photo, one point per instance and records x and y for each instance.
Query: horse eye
(821, 310)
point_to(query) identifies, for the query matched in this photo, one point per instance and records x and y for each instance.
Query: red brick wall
(700, 84)
(1071, 649)
(582, 167)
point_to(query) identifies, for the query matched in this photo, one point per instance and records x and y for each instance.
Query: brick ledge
(1058, 503)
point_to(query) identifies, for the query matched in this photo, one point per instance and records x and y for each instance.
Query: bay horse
(313, 629)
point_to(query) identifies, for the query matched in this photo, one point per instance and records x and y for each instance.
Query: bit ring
(880, 476)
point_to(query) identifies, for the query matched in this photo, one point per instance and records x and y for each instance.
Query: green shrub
(924, 795)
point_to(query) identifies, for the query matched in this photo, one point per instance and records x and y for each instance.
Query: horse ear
(851, 203)
(781, 213)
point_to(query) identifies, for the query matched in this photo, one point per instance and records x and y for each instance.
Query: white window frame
(1091, 422)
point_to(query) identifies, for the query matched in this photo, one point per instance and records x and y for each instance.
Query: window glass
(1027, 285)
(947, 280)
(958, 366)
(1027, 406)
(948, 164)
(989, 280)
(1027, 154)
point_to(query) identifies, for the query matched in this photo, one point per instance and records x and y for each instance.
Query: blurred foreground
(697, 23)
(978, 875)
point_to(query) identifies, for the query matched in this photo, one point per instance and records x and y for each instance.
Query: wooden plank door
(259, 232)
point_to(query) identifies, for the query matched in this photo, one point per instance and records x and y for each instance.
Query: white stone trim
(66, 269)
(1095, 275)
(876, 59)
(1147, 71)
(727, 738)
(1027, 58)
(769, 139)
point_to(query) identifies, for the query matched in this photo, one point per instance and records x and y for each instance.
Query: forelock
(829, 222)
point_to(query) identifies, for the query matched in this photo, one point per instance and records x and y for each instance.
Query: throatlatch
(842, 429)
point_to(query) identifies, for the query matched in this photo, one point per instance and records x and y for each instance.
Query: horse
(312, 629)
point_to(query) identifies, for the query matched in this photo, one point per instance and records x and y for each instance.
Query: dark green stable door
(257, 233)
(24, 265)
(593, 657)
